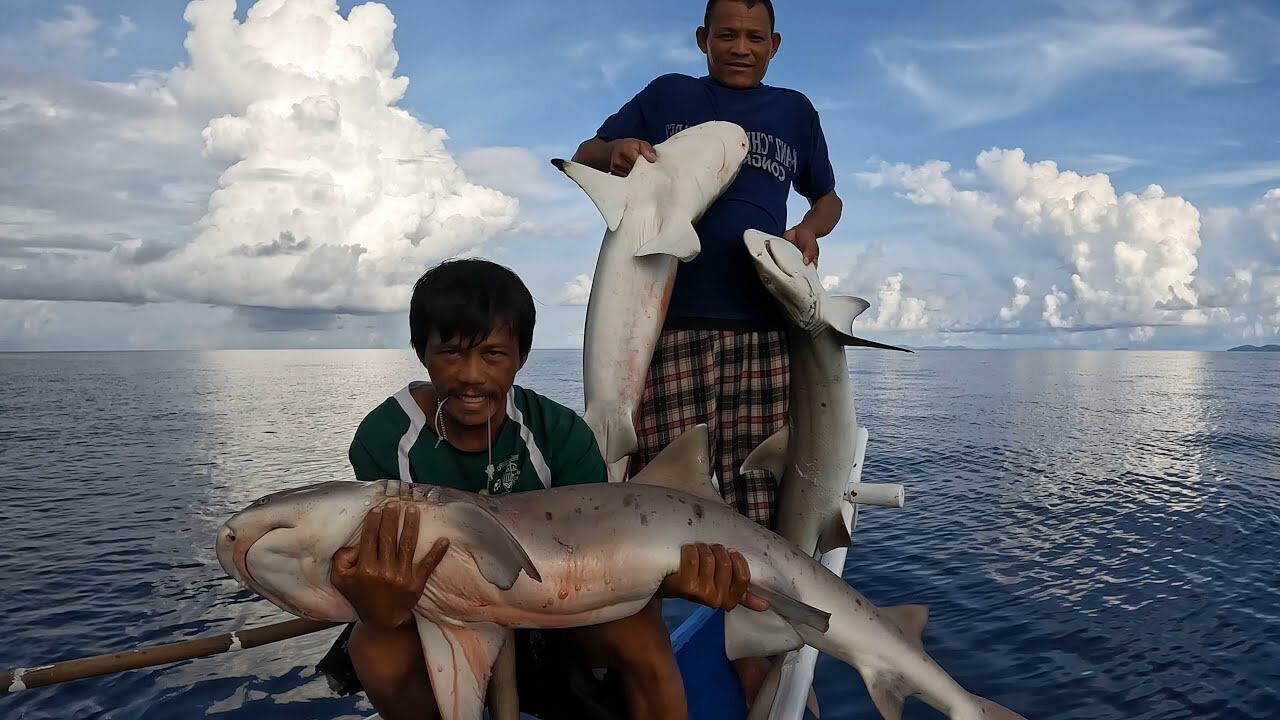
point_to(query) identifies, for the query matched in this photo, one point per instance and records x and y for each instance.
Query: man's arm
(821, 219)
(617, 156)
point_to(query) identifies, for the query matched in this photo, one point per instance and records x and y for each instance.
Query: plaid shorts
(737, 383)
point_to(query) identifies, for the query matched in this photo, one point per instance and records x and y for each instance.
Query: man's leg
(753, 397)
(736, 383)
(678, 393)
(390, 666)
(638, 649)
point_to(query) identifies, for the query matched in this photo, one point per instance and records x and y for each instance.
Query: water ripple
(1093, 532)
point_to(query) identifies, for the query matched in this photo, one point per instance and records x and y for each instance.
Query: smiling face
(471, 377)
(739, 42)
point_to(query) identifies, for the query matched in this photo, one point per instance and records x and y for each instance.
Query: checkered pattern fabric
(737, 383)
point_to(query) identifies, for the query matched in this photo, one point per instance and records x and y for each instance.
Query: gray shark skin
(575, 556)
(649, 216)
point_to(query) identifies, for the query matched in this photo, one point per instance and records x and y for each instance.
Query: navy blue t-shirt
(719, 288)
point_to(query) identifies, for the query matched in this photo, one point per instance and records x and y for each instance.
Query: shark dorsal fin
(683, 465)
(770, 455)
(608, 192)
(910, 619)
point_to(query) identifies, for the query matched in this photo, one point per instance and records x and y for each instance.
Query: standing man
(722, 357)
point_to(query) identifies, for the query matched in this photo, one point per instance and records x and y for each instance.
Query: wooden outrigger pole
(23, 678)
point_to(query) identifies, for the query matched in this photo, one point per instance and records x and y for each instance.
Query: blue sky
(996, 162)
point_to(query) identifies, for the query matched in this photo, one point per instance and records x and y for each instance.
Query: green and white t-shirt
(542, 444)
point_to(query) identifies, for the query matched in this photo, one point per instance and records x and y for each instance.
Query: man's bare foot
(751, 673)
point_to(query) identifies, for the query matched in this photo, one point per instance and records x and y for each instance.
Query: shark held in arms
(650, 216)
(575, 556)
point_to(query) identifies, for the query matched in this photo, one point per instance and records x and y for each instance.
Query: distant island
(1255, 348)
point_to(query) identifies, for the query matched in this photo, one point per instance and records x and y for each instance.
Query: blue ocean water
(1094, 532)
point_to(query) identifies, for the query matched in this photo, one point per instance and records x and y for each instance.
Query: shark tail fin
(608, 192)
(615, 432)
(618, 470)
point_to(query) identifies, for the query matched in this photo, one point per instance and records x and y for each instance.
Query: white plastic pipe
(882, 494)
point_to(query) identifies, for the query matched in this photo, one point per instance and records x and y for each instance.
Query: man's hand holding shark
(378, 576)
(380, 579)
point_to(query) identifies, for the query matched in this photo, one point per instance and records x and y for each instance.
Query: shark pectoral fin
(750, 633)
(459, 660)
(888, 689)
(839, 311)
(794, 611)
(911, 620)
(836, 532)
(853, 341)
(679, 240)
(608, 192)
(683, 465)
(770, 455)
(497, 553)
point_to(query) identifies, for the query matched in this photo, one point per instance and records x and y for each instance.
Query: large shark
(650, 216)
(575, 556)
(813, 456)
(816, 456)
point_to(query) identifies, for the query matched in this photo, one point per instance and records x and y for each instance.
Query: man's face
(473, 380)
(738, 43)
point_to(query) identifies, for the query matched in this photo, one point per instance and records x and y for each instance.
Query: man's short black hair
(469, 299)
(768, 6)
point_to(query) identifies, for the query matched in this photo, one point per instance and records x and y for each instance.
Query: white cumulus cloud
(895, 310)
(329, 195)
(1114, 259)
(577, 291)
